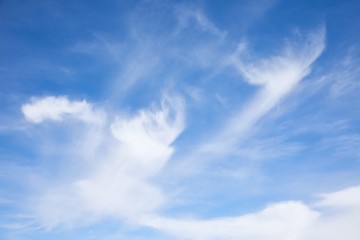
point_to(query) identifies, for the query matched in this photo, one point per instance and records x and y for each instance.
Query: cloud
(282, 221)
(344, 75)
(276, 76)
(99, 167)
(148, 135)
(188, 16)
(340, 216)
(291, 220)
(116, 184)
(57, 109)
(349, 197)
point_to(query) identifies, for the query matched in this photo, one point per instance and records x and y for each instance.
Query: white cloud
(290, 220)
(283, 221)
(349, 197)
(58, 108)
(340, 216)
(116, 184)
(277, 77)
(147, 136)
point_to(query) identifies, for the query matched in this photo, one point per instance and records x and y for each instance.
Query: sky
(188, 120)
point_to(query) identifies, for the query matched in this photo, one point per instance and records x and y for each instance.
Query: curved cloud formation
(276, 77)
(117, 183)
(280, 221)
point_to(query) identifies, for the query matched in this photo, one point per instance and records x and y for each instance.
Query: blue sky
(198, 120)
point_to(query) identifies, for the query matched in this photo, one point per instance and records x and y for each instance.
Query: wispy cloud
(222, 150)
(188, 16)
(343, 78)
(155, 55)
(277, 77)
(136, 148)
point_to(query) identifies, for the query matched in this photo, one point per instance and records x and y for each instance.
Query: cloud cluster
(114, 161)
(117, 184)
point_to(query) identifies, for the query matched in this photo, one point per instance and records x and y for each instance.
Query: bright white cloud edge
(291, 220)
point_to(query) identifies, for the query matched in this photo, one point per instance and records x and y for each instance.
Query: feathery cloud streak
(276, 76)
(116, 184)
